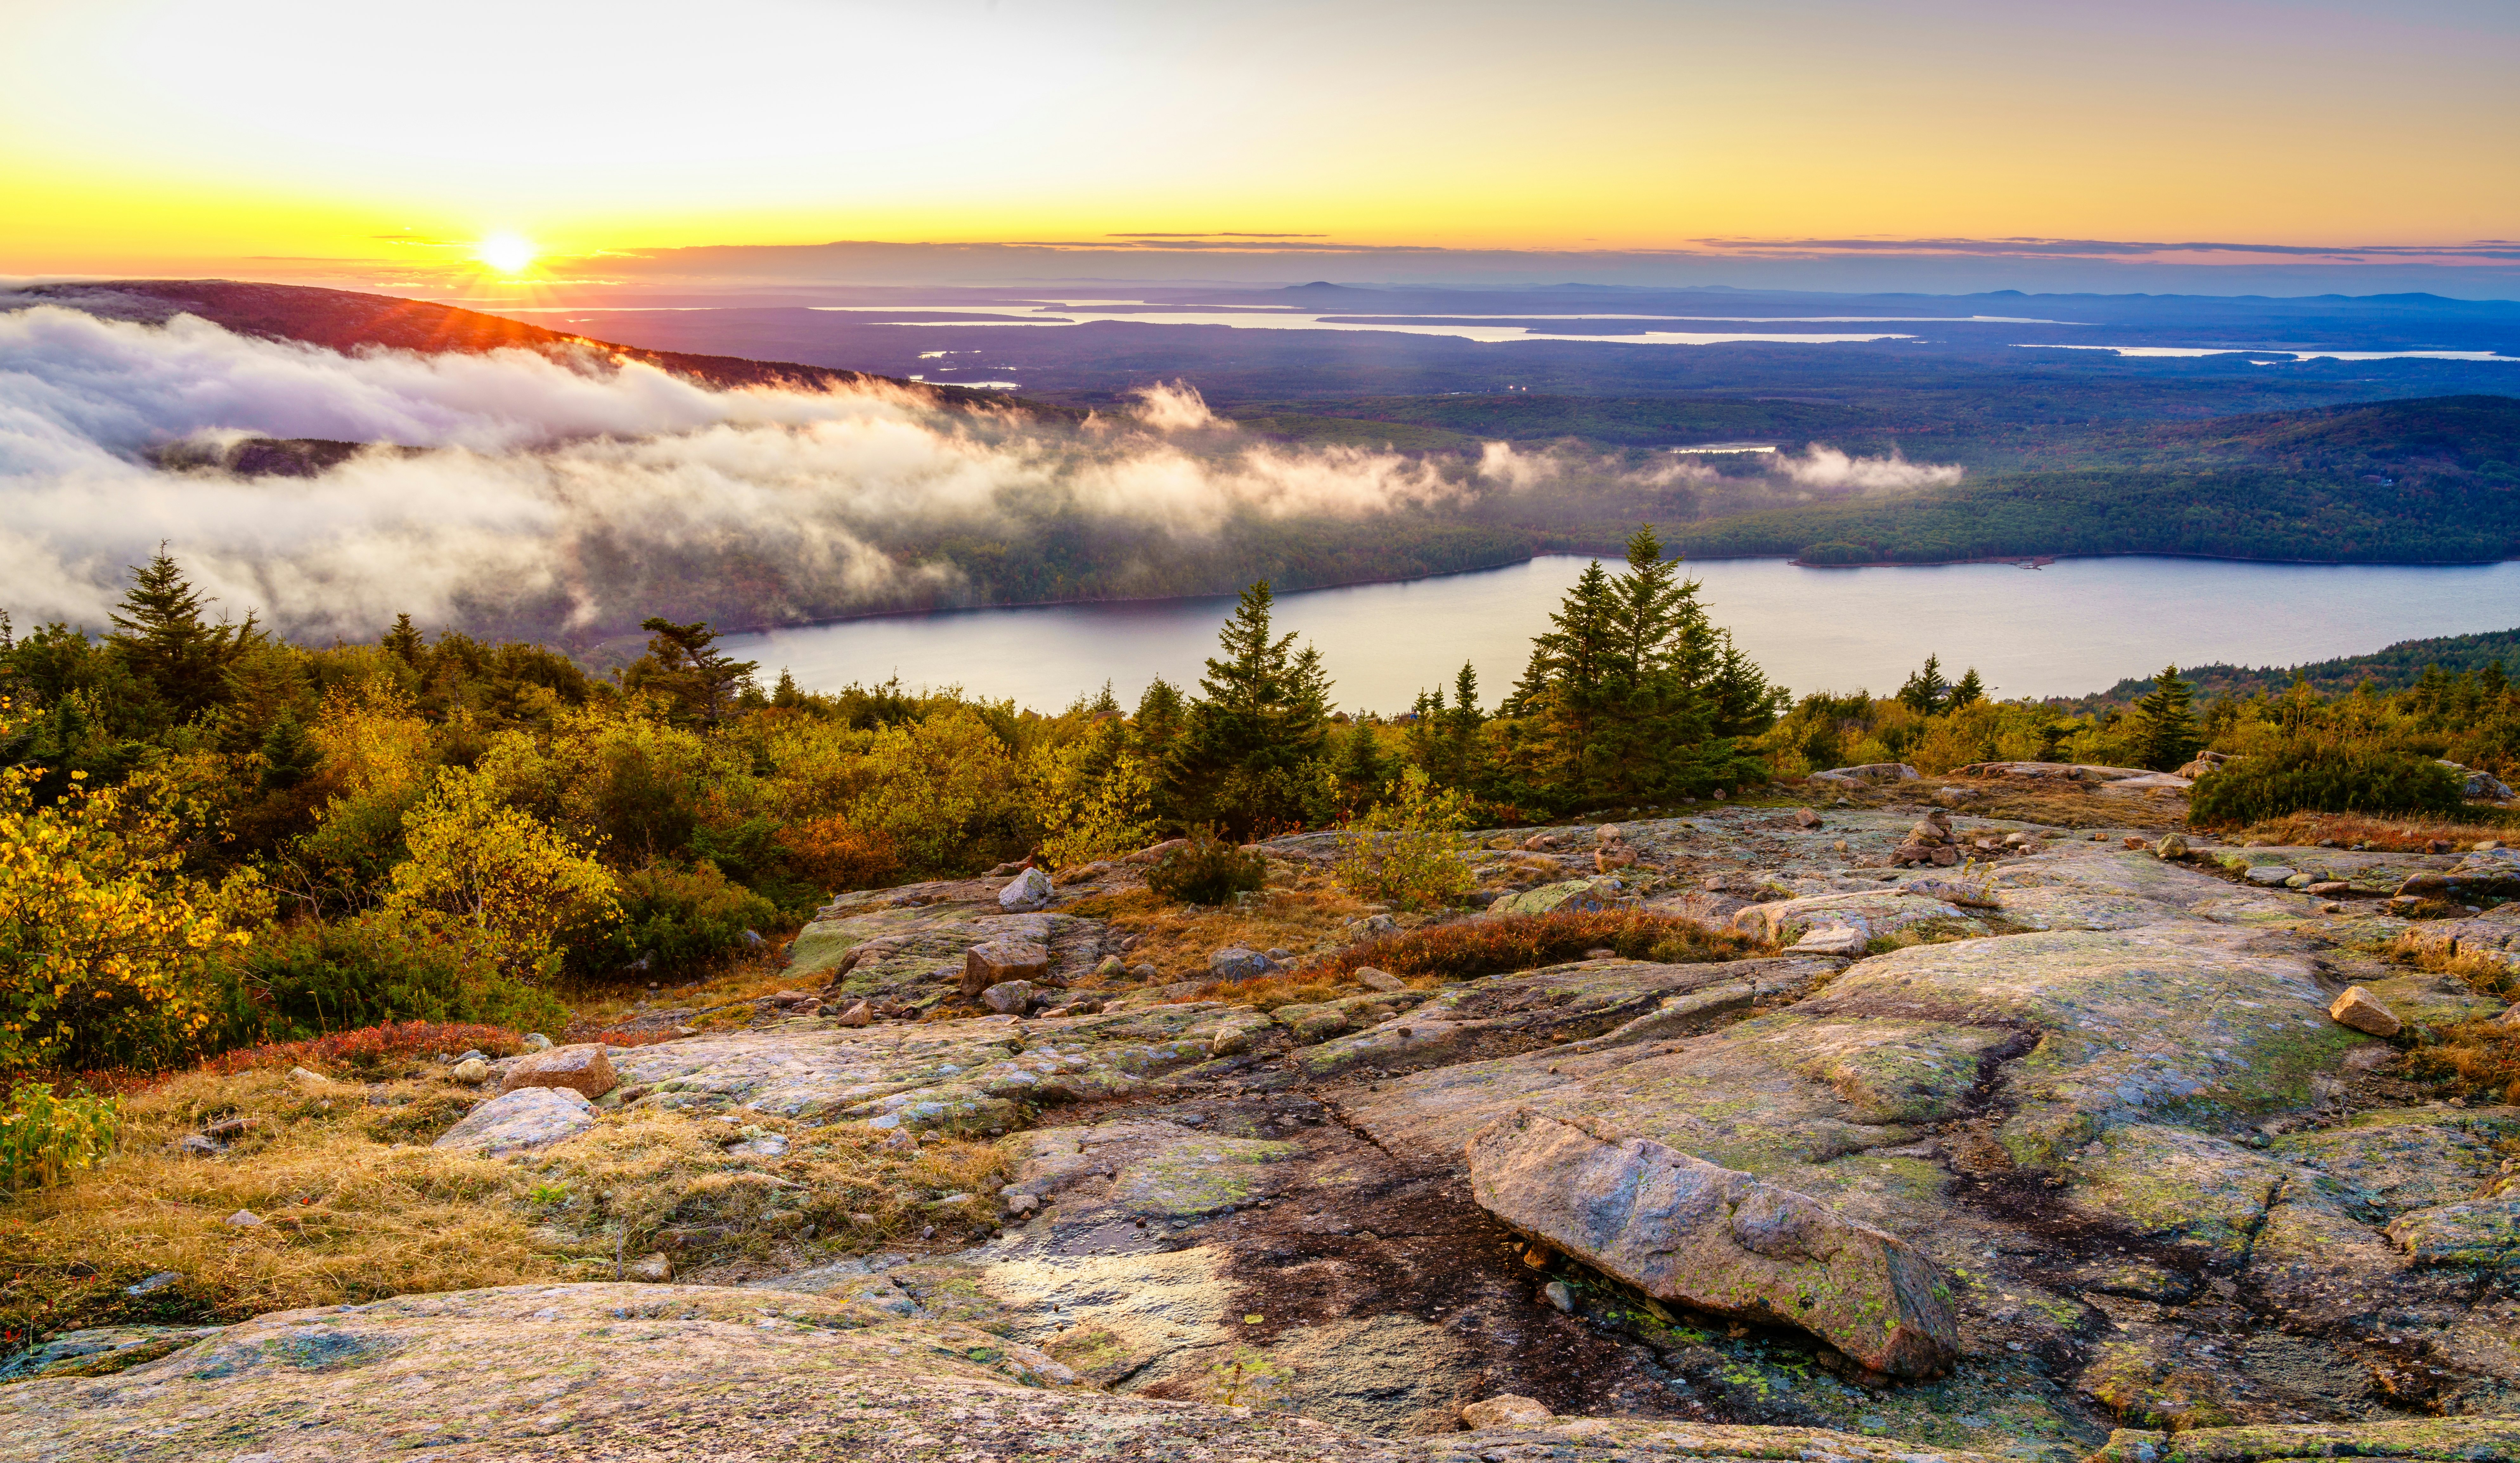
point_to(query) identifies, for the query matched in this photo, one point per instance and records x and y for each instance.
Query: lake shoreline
(2042, 560)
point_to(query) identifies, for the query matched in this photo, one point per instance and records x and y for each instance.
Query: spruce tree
(288, 753)
(1925, 692)
(2165, 723)
(403, 640)
(1158, 719)
(684, 662)
(1261, 716)
(162, 638)
(1361, 767)
(1968, 689)
(786, 694)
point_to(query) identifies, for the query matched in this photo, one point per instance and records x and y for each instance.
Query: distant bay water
(2073, 627)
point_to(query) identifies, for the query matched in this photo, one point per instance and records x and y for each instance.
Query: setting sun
(506, 253)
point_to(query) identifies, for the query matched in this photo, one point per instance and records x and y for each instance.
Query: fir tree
(162, 636)
(1968, 689)
(2165, 723)
(1262, 714)
(1361, 767)
(289, 754)
(684, 662)
(1158, 719)
(1925, 692)
(403, 640)
(786, 694)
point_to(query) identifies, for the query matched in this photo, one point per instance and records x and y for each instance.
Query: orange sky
(154, 136)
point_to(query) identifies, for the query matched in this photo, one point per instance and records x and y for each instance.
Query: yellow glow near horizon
(507, 253)
(126, 143)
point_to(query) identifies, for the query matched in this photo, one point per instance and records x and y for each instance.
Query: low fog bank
(515, 493)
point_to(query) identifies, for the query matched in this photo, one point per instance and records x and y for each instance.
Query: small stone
(655, 1269)
(2361, 1011)
(536, 1042)
(1029, 890)
(153, 1284)
(1559, 1296)
(300, 1077)
(244, 1218)
(1236, 962)
(1806, 818)
(1380, 980)
(1012, 998)
(2269, 875)
(1506, 1411)
(472, 1070)
(1109, 968)
(1831, 939)
(2329, 888)
(859, 1014)
(2172, 846)
(195, 1146)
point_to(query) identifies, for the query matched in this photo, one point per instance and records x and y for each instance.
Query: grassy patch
(356, 1207)
(1176, 939)
(1471, 947)
(2478, 1061)
(372, 1048)
(2396, 836)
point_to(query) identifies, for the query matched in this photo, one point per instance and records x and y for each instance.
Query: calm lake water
(2074, 627)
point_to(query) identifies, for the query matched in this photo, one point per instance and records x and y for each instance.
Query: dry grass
(357, 1207)
(2475, 1060)
(1176, 939)
(599, 1007)
(2397, 835)
(1467, 949)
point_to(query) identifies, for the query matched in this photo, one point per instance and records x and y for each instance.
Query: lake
(2076, 626)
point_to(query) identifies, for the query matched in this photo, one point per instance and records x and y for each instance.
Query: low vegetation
(1501, 945)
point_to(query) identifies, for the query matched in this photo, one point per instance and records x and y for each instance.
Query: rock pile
(1930, 841)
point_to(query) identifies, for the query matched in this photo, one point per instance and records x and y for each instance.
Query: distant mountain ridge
(2392, 667)
(346, 319)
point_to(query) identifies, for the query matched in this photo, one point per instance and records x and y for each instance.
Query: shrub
(1526, 941)
(372, 1048)
(683, 917)
(836, 855)
(1208, 870)
(44, 1138)
(2476, 1061)
(310, 977)
(2322, 777)
(500, 869)
(107, 953)
(1404, 851)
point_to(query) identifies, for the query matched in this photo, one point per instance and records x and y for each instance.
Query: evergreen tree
(1925, 692)
(1968, 689)
(403, 640)
(1158, 719)
(2165, 723)
(160, 634)
(786, 694)
(1261, 716)
(1634, 694)
(1361, 767)
(684, 662)
(289, 754)
(1459, 755)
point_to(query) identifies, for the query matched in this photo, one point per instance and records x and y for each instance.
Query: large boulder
(515, 1121)
(1869, 771)
(582, 1069)
(1236, 962)
(2494, 935)
(1869, 915)
(1570, 894)
(2487, 874)
(1685, 1230)
(993, 961)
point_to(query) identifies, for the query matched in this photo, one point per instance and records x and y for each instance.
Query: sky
(278, 139)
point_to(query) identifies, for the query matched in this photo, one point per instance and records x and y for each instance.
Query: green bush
(44, 1138)
(311, 977)
(683, 917)
(1208, 870)
(2322, 777)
